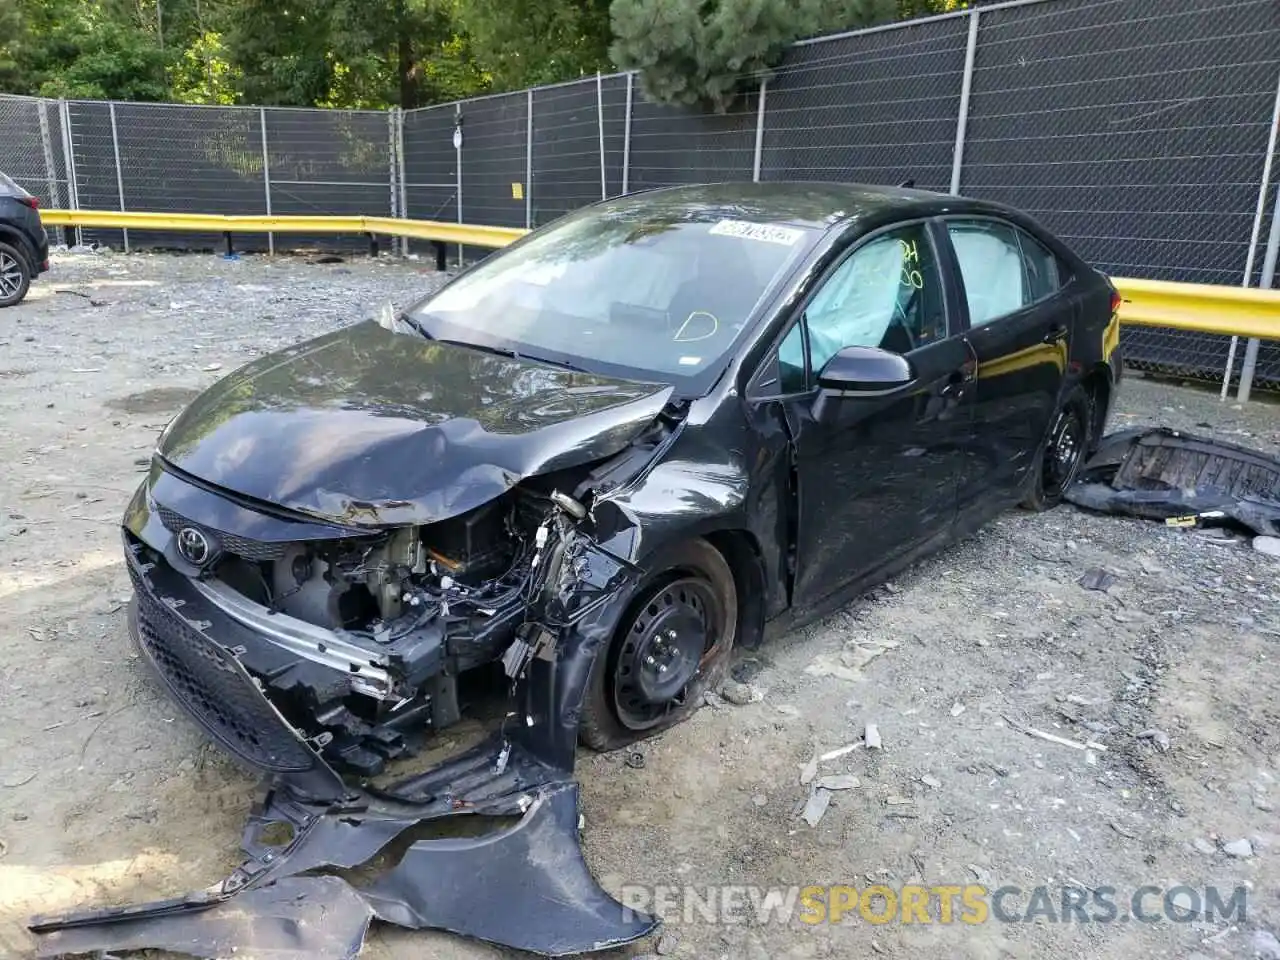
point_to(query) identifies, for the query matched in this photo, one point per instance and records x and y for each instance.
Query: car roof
(814, 204)
(8, 188)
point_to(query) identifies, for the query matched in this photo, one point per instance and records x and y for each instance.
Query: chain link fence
(1138, 130)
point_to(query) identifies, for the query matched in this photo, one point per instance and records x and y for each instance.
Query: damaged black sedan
(603, 458)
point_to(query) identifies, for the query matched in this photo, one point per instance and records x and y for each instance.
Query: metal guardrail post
(604, 177)
(626, 138)
(266, 176)
(528, 164)
(759, 152)
(966, 90)
(1266, 282)
(115, 148)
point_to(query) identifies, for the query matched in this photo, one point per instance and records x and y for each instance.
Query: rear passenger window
(1004, 269)
(1043, 278)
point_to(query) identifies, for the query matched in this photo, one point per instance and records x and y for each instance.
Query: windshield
(658, 289)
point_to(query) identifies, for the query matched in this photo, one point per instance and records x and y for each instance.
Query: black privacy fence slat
(872, 108)
(1138, 130)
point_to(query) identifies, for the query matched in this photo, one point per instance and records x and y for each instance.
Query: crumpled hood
(367, 426)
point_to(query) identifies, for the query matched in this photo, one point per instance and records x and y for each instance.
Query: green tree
(522, 43)
(706, 53)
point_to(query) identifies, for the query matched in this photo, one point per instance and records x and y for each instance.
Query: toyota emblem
(193, 545)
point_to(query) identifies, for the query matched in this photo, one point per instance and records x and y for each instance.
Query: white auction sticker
(764, 232)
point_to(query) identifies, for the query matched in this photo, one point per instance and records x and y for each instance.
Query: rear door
(1020, 323)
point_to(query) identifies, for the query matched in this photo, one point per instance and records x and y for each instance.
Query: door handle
(955, 387)
(1057, 333)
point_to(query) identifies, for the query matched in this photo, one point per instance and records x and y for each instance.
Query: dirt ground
(108, 794)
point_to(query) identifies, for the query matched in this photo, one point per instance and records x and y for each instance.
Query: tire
(1063, 451)
(15, 275)
(627, 698)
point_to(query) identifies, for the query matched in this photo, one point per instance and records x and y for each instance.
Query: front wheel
(1064, 452)
(673, 643)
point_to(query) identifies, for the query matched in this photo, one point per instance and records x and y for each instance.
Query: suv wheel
(15, 276)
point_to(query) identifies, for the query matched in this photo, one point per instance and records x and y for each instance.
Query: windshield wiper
(513, 354)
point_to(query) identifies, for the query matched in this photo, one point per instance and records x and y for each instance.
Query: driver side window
(887, 294)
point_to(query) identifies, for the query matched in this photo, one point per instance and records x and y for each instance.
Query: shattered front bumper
(524, 885)
(171, 622)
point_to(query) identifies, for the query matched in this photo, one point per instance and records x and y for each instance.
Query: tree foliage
(378, 53)
(706, 52)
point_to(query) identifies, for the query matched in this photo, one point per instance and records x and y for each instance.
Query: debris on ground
(635, 759)
(740, 694)
(816, 806)
(1157, 737)
(837, 781)
(1268, 545)
(849, 663)
(1054, 738)
(1241, 849)
(871, 737)
(809, 771)
(1095, 578)
(839, 752)
(1163, 474)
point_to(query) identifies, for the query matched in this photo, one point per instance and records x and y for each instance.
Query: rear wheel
(1064, 451)
(673, 643)
(15, 275)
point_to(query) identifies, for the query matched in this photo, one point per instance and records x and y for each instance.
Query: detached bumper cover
(1160, 473)
(526, 887)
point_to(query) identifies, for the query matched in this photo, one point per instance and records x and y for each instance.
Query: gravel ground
(108, 794)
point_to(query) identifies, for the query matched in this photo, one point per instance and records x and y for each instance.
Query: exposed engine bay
(378, 627)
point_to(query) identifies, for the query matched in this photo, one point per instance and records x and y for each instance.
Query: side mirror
(865, 371)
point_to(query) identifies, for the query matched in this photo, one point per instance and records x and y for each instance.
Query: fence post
(68, 151)
(626, 139)
(604, 177)
(402, 177)
(457, 152)
(391, 162)
(966, 88)
(1254, 235)
(528, 165)
(115, 148)
(266, 178)
(755, 163)
(1266, 281)
(50, 173)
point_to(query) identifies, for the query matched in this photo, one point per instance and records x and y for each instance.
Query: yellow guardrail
(439, 231)
(1234, 311)
(1203, 307)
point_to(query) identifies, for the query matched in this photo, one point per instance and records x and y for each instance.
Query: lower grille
(215, 689)
(253, 550)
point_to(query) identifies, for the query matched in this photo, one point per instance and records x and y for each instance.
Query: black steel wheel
(1063, 452)
(672, 645)
(671, 635)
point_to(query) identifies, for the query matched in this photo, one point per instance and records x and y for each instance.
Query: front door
(876, 475)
